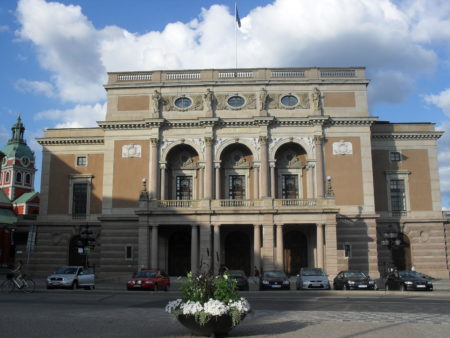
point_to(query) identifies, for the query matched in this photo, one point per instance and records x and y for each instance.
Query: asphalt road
(83, 314)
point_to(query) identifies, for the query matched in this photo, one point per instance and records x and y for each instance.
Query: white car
(72, 277)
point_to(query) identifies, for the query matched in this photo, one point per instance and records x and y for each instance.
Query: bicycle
(24, 284)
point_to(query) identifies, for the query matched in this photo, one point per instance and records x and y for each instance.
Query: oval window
(289, 100)
(236, 101)
(183, 102)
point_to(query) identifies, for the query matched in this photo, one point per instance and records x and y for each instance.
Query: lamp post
(392, 240)
(86, 243)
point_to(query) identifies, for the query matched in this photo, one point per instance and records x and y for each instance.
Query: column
(310, 180)
(273, 193)
(143, 246)
(208, 177)
(200, 178)
(279, 249)
(154, 168)
(267, 250)
(216, 254)
(206, 253)
(218, 192)
(256, 182)
(163, 181)
(194, 248)
(154, 248)
(264, 172)
(319, 245)
(319, 165)
(256, 247)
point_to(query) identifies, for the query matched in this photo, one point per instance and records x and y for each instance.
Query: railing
(295, 203)
(227, 75)
(446, 213)
(176, 203)
(134, 77)
(288, 74)
(338, 73)
(236, 203)
(183, 76)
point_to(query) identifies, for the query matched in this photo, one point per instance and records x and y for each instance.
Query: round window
(289, 100)
(183, 102)
(236, 101)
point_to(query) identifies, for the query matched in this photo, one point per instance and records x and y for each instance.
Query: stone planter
(216, 325)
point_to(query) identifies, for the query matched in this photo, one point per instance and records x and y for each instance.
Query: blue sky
(55, 54)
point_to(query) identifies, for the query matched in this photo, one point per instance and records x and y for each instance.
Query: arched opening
(236, 172)
(237, 251)
(76, 258)
(295, 252)
(179, 262)
(182, 165)
(401, 254)
(291, 182)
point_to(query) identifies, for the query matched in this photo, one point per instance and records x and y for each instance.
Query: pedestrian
(256, 276)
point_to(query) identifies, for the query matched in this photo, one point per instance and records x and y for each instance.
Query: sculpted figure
(207, 100)
(156, 99)
(262, 98)
(317, 105)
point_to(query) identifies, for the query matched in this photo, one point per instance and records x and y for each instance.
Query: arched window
(19, 178)
(28, 179)
(7, 177)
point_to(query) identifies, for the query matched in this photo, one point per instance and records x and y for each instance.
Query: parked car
(348, 280)
(407, 280)
(72, 277)
(240, 278)
(273, 280)
(149, 280)
(312, 278)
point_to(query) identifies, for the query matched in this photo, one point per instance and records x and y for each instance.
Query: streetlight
(86, 243)
(392, 240)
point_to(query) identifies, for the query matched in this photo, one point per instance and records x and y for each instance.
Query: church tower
(18, 165)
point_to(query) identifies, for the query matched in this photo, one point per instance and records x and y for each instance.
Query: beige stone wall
(346, 172)
(61, 167)
(128, 174)
(138, 102)
(346, 99)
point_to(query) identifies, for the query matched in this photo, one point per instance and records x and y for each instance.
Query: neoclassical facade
(266, 168)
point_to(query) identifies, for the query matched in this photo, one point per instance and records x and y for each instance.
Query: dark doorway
(401, 255)
(179, 253)
(75, 258)
(295, 252)
(237, 251)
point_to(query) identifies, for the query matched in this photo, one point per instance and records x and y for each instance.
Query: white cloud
(381, 35)
(77, 117)
(442, 100)
(41, 87)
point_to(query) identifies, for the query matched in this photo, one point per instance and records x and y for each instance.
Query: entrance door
(75, 258)
(295, 252)
(179, 253)
(289, 187)
(237, 187)
(401, 255)
(184, 187)
(237, 251)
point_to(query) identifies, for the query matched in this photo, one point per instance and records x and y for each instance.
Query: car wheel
(403, 288)
(346, 287)
(74, 285)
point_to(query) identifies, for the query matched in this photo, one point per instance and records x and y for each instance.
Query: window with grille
(398, 196)
(289, 186)
(81, 161)
(236, 187)
(79, 199)
(184, 187)
(395, 156)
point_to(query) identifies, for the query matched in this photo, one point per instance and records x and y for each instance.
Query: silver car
(312, 278)
(72, 277)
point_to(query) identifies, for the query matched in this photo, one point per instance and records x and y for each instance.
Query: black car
(407, 280)
(240, 278)
(357, 280)
(274, 280)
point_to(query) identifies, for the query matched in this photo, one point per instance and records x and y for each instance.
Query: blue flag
(238, 20)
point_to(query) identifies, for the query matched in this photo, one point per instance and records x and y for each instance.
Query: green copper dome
(17, 147)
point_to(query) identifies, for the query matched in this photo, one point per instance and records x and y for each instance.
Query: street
(287, 314)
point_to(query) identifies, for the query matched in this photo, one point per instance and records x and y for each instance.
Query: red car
(149, 280)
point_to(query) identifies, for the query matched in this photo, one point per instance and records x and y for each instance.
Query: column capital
(154, 141)
(163, 165)
(318, 139)
(263, 140)
(209, 141)
(217, 164)
(272, 164)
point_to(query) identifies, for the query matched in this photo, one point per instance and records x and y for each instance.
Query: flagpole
(235, 33)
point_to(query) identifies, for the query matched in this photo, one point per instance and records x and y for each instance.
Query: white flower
(215, 307)
(173, 305)
(191, 308)
(242, 305)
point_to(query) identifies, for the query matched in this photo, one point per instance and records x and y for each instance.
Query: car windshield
(409, 274)
(274, 274)
(354, 274)
(145, 274)
(66, 271)
(312, 272)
